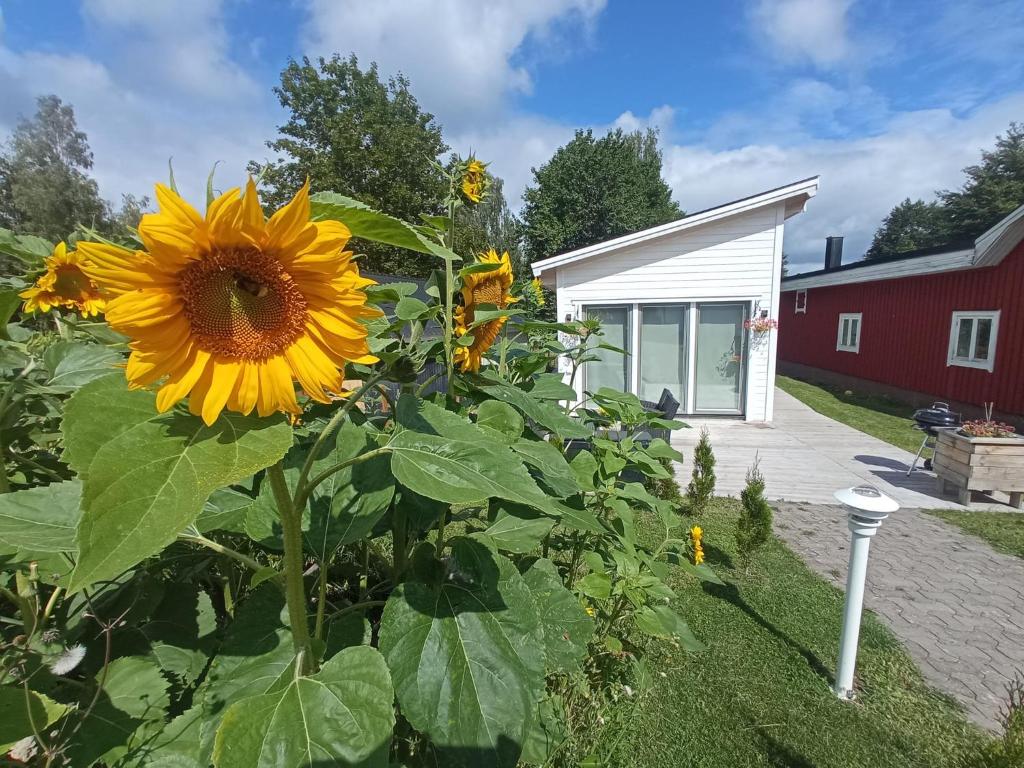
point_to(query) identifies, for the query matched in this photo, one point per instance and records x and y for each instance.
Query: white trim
(949, 261)
(993, 246)
(801, 190)
(634, 349)
(844, 317)
(800, 308)
(954, 332)
(773, 313)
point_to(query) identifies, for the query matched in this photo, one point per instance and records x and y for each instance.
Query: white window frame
(844, 318)
(801, 306)
(954, 332)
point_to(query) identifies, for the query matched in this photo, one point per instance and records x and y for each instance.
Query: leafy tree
(44, 187)
(994, 187)
(349, 132)
(491, 224)
(594, 189)
(755, 523)
(910, 225)
(125, 220)
(702, 482)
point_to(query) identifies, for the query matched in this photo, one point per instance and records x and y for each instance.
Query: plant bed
(980, 464)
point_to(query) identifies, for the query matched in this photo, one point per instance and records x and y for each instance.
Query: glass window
(801, 302)
(972, 339)
(611, 369)
(720, 368)
(662, 352)
(848, 334)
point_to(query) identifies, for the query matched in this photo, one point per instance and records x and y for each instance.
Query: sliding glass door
(611, 369)
(663, 351)
(720, 368)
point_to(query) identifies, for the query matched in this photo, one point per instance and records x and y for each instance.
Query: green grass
(879, 417)
(760, 695)
(1003, 530)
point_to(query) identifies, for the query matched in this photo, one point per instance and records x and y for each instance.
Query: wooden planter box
(980, 464)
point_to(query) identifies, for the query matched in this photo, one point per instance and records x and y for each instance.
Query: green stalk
(216, 546)
(295, 591)
(399, 543)
(318, 631)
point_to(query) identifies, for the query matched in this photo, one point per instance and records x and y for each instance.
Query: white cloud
(461, 55)
(798, 30)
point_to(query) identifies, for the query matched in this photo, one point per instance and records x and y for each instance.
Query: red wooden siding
(904, 338)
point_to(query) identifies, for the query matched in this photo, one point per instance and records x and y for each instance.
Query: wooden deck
(805, 457)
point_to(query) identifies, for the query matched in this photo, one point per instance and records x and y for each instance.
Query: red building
(942, 324)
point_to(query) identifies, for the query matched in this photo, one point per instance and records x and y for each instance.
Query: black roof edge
(956, 245)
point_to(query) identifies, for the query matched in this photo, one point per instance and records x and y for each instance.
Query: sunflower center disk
(242, 305)
(71, 283)
(489, 291)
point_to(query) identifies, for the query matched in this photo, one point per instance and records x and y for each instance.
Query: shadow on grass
(779, 754)
(715, 556)
(731, 593)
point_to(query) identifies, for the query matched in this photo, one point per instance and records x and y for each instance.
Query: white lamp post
(866, 508)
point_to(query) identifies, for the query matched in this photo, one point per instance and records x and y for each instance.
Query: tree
(910, 225)
(349, 132)
(44, 187)
(994, 188)
(754, 526)
(595, 189)
(491, 225)
(702, 481)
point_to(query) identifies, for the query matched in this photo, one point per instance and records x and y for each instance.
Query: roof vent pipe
(833, 252)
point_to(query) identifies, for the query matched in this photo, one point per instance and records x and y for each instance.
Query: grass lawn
(1003, 530)
(877, 416)
(760, 695)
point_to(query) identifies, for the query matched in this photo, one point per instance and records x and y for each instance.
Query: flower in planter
(229, 309)
(761, 324)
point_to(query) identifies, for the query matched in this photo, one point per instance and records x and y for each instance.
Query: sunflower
(64, 284)
(230, 308)
(482, 288)
(474, 181)
(537, 289)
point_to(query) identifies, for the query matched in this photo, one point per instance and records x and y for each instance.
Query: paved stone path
(957, 605)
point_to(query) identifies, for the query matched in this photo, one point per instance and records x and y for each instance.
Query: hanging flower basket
(761, 325)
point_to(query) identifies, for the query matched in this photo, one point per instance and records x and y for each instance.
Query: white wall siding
(738, 258)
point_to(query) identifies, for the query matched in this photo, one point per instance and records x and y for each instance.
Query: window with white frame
(972, 339)
(801, 302)
(848, 335)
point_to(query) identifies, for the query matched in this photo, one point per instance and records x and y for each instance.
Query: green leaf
(584, 466)
(518, 528)
(135, 686)
(347, 631)
(548, 466)
(411, 308)
(547, 732)
(659, 449)
(41, 519)
(24, 712)
(364, 222)
(567, 627)
(704, 572)
(72, 364)
(146, 475)
(28, 249)
(256, 657)
(547, 415)
(180, 634)
(225, 510)
(341, 716)
(467, 657)
(596, 585)
(9, 303)
(550, 386)
(662, 621)
(501, 417)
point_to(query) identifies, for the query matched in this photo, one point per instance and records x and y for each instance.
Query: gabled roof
(794, 195)
(987, 250)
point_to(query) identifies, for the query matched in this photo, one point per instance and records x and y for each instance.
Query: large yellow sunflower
(474, 182)
(482, 288)
(230, 308)
(63, 284)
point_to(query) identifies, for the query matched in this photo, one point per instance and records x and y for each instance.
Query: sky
(884, 99)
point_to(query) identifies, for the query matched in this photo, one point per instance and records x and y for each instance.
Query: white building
(676, 297)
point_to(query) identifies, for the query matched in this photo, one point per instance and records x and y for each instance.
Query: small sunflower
(231, 308)
(482, 288)
(697, 535)
(64, 284)
(474, 182)
(537, 289)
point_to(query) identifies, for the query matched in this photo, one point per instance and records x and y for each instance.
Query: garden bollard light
(866, 508)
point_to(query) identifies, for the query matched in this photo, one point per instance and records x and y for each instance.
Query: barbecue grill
(931, 421)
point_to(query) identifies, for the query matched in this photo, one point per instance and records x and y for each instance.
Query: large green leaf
(41, 519)
(518, 528)
(548, 466)
(500, 416)
(225, 510)
(146, 475)
(24, 712)
(28, 249)
(544, 413)
(467, 657)
(567, 627)
(662, 621)
(256, 657)
(9, 303)
(72, 364)
(341, 716)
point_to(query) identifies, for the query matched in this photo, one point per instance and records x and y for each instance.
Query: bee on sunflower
(231, 308)
(64, 284)
(478, 288)
(473, 180)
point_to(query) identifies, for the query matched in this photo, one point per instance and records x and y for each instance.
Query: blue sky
(883, 98)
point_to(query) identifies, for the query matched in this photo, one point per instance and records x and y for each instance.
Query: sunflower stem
(295, 590)
(449, 275)
(216, 546)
